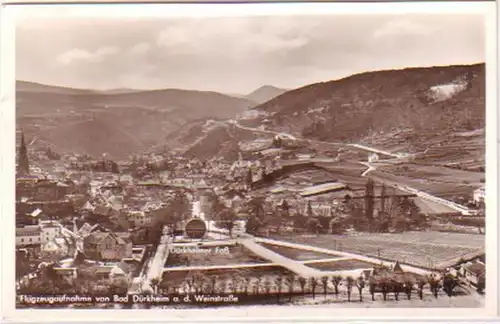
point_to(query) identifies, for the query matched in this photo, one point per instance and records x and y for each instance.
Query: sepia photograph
(319, 160)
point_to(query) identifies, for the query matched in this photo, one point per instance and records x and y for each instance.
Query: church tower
(23, 166)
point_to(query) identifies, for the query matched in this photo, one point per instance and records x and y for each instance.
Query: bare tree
(384, 283)
(222, 286)
(302, 282)
(324, 282)
(349, 284)
(434, 284)
(360, 284)
(313, 282)
(245, 283)
(396, 286)
(449, 284)
(421, 282)
(279, 285)
(290, 281)
(257, 284)
(409, 283)
(213, 284)
(154, 283)
(336, 282)
(267, 286)
(372, 287)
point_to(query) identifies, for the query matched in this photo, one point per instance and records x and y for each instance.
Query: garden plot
(212, 256)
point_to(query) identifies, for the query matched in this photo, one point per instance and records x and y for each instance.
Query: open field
(421, 249)
(297, 254)
(341, 265)
(436, 173)
(209, 256)
(439, 189)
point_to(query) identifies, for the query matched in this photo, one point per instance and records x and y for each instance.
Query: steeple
(23, 167)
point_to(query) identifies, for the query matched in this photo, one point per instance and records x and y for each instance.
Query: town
(285, 220)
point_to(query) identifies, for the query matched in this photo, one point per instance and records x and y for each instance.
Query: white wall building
(479, 195)
(49, 231)
(28, 235)
(373, 157)
(141, 218)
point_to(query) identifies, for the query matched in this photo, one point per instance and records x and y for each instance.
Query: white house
(474, 272)
(28, 235)
(479, 195)
(140, 218)
(373, 157)
(49, 231)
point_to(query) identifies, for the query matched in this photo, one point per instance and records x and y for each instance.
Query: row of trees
(295, 285)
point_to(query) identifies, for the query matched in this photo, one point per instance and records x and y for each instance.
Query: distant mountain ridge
(148, 117)
(411, 106)
(265, 93)
(361, 104)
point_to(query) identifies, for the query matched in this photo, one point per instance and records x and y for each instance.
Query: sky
(237, 55)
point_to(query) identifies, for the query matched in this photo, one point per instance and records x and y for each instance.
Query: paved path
(374, 150)
(292, 265)
(156, 264)
(205, 244)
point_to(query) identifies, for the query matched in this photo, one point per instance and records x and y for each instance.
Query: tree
(246, 283)
(360, 284)
(154, 283)
(279, 284)
(290, 281)
(213, 284)
(434, 284)
(267, 286)
(421, 282)
(226, 219)
(481, 284)
(249, 178)
(165, 286)
(310, 212)
(114, 167)
(222, 286)
(313, 282)
(396, 285)
(313, 225)
(409, 282)
(449, 284)
(286, 208)
(336, 282)
(349, 284)
(384, 282)
(383, 194)
(324, 282)
(190, 284)
(302, 282)
(369, 201)
(372, 287)
(257, 284)
(255, 208)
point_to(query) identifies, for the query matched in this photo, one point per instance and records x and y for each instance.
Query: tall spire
(23, 166)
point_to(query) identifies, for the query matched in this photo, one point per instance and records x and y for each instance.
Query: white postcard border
(256, 313)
